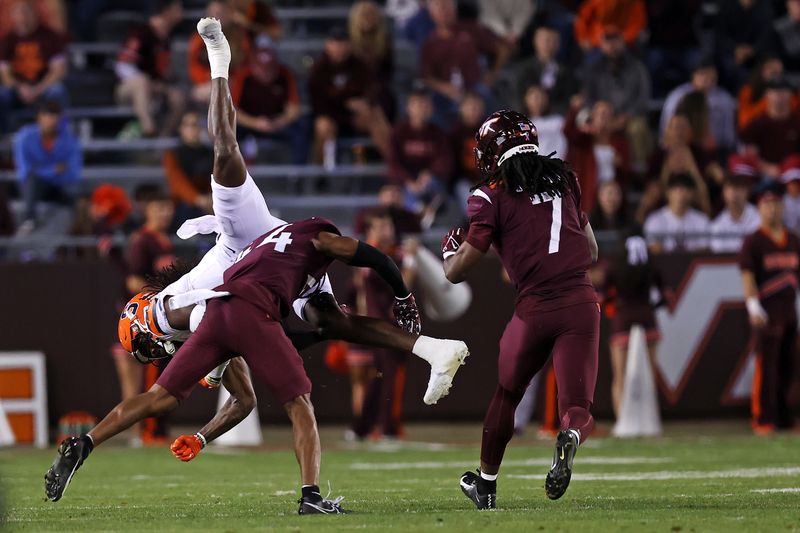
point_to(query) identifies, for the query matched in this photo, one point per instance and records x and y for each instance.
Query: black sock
(311, 492)
(89, 445)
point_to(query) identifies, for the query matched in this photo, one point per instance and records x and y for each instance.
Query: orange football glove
(187, 447)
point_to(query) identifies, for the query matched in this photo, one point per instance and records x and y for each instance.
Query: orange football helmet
(139, 333)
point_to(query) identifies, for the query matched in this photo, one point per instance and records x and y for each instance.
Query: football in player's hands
(406, 314)
(452, 241)
(186, 447)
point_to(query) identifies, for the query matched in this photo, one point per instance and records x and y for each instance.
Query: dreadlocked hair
(168, 275)
(533, 174)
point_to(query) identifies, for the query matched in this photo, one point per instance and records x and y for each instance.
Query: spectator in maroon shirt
(420, 159)
(451, 60)
(596, 151)
(32, 63)
(462, 139)
(143, 68)
(267, 101)
(775, 134)
(342, 92)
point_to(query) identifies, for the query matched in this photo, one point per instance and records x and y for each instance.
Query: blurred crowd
(670, 112)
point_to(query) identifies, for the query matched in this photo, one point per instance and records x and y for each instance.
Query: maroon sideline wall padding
(67, 310)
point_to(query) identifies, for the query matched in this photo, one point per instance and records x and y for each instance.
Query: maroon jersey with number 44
(540, 241)
(277, 267)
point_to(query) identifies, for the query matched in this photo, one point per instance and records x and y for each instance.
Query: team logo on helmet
(139, 333)
(501, 132)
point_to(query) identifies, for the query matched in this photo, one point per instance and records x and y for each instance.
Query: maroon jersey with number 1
(278, 266)
(540, 241)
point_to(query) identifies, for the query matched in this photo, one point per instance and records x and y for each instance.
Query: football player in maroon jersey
(528, 208)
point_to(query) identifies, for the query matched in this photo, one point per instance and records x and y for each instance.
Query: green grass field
(695, 478)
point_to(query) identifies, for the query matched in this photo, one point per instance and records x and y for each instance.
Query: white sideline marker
(638, 413)
(245, 433)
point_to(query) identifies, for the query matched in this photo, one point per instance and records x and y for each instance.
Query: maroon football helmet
(499, 133)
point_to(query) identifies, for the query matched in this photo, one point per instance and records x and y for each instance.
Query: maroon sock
(498, 426)
(577, 417)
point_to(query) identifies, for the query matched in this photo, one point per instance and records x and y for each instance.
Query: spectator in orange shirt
(199, 69)
(629, 16)
(143, 68)
(267, 101)
(188, 170)
(752, 100)
(32, 63)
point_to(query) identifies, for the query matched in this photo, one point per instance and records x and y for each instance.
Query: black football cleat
(483, 493)
(321, 506)
(71, 454)
(561, 472)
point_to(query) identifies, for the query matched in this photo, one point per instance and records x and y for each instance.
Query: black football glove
(452, 242)
(406, 314)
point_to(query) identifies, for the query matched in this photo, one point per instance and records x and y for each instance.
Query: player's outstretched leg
(72, 452)
(445, 356)
(229, 166)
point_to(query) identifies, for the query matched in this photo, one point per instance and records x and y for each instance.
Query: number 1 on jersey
(555, 227)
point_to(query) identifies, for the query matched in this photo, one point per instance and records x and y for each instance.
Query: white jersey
(240, 216)
(689, 232)
(727, 234)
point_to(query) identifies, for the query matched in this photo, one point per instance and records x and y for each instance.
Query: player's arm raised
(360, 254)
(241, 402)
(459, 256)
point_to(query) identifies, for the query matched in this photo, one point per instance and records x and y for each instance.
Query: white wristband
(201, 438)
(754, 307)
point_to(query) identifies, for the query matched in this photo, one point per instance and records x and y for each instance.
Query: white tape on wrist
(201, 438)
(754, 307)
(445, 255)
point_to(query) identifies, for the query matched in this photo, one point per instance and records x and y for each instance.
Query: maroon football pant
(775, 346)
(231, 327)
(571, 335)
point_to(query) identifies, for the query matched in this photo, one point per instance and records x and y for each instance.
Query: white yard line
(772, 491)
(517, 462)
(665, 475)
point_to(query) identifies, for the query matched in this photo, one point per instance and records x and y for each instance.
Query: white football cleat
(445, 357)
